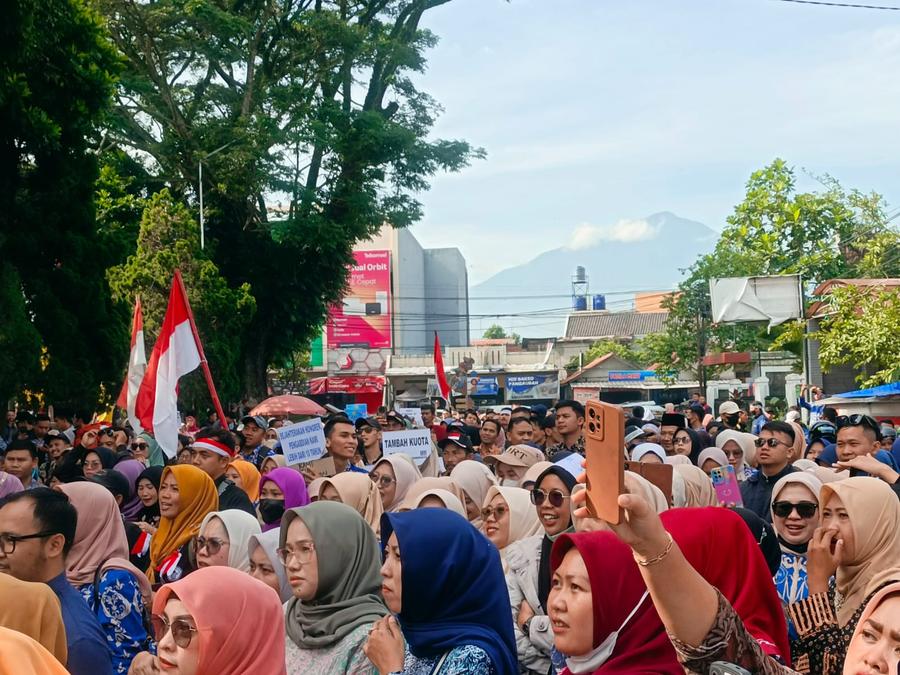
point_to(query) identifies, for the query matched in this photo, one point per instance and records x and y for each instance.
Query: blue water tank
(599, 302)
(579, 303)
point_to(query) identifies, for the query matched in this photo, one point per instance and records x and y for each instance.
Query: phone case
(604, 443)
(658, 474)
(726, 485)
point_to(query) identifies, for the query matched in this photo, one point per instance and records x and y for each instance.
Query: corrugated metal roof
(614, 324)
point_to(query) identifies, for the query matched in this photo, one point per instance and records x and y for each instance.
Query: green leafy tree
(604, 347)
(56, 85)
(861, 330)
(775, 230)
(168, 240)
(494, 332)
(310, 103)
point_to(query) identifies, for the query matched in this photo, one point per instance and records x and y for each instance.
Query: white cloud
(587, 235)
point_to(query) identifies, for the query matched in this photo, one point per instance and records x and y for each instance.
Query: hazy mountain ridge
(631, 255)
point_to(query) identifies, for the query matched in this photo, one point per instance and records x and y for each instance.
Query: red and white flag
(175, 354)
(137, 364)
(439, 373)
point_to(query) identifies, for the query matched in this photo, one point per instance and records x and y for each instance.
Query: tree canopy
(776, 229)
(311, 133)
(62, 333)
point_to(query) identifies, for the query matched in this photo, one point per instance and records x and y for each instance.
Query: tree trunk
(256, 361)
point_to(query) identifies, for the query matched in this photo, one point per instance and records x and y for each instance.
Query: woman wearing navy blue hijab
(444, 582)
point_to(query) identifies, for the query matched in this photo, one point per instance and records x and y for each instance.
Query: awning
(883, 391)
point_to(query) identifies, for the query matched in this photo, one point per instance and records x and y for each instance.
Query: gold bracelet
(660, 557)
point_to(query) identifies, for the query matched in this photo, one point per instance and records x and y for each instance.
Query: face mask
(271, 510)
(598, 656)
(509, 482)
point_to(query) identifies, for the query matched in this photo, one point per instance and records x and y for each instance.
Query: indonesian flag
(175, 354)
(137, 364)
(439, 370)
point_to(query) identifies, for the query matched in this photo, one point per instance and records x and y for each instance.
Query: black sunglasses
(804, 509)
(555, 497)
(859, 420)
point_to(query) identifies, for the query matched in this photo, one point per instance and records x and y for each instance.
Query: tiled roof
(614, 324)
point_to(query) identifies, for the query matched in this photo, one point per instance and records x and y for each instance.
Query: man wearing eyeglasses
(37, 529)
(774, 454)
(368, 431)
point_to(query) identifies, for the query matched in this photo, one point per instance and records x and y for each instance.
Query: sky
(594, 112)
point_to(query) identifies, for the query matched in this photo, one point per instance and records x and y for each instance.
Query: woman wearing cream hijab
(438, 499)
(508, 516)
(224, 539)
(860, 520)
(424, 484)
(357, 491)
(696, 486)
(394, 476)
(740, 450)
(475, 479)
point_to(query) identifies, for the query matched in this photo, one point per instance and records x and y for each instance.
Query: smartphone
(658, 474)
(726, 485)
(604, 439)
(723, 668)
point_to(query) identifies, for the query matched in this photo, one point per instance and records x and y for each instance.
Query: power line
(841, 4)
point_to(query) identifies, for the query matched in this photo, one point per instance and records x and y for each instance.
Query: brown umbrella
(288, 404)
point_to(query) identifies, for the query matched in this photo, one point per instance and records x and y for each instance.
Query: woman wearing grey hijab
(265, 565)
(332, 560)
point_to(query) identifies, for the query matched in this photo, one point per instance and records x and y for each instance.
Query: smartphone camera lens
(592, 427)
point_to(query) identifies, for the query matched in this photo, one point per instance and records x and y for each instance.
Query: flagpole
(203, 363)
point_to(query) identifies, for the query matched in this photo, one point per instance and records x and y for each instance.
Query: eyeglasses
(303, 553)
(555, 497)
(182, 631)
(139, 446)
(498, 512)
(734, 453)
(858, 421)
(8, 541)
(771, 442)
(804, 509)
(682, 440)
(381, 481)
(212, 545)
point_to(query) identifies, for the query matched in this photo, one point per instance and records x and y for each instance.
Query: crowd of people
(480, 557)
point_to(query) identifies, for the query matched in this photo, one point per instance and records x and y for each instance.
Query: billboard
(774, 299)
(363, 317)
(521, 387)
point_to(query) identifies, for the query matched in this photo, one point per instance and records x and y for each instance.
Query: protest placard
(416, 443)
(415, 414)
(355, 411)
(302, 442)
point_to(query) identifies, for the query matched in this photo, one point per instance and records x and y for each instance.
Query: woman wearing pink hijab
(202, 631)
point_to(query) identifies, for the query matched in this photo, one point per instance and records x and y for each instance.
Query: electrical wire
(840, 4)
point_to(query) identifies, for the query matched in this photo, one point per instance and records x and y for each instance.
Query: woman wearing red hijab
(600, 612)
(720, 611)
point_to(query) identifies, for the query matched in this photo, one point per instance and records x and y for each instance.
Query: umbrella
(288, 404)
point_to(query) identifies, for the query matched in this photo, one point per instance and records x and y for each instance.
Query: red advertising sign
(363, 317)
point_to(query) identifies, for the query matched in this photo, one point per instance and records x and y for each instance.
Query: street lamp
(200, 179)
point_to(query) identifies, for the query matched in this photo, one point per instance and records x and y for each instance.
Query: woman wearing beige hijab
(692, 487)
(858, 542)
(740, 450)
(394, 476)
(438, 499)
(475, 479)
(357, 491)
(508, 516)
(638, 485)
(424, 484)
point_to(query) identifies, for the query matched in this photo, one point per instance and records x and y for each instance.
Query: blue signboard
(521, 387)
(483, 386)
(631, 375)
